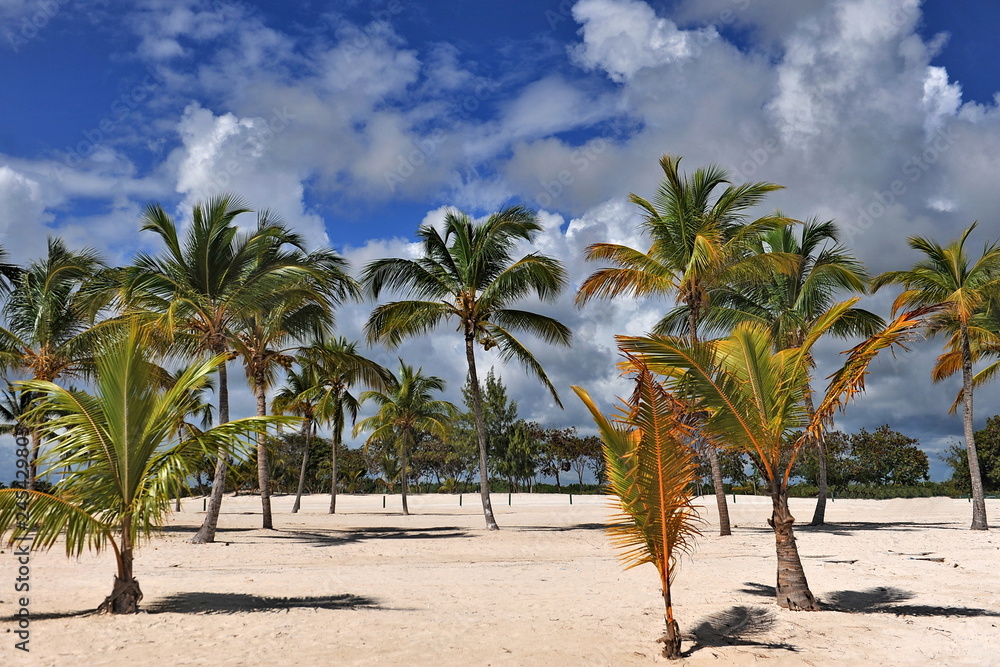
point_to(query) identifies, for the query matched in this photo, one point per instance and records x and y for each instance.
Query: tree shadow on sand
(884, 600)
(849, 528)
(234, 603)
(737, 626)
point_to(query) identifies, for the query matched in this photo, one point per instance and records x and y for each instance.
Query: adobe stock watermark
(120, 110)
(913, 168)
(409, 162)
(30, 26)
(22, 583)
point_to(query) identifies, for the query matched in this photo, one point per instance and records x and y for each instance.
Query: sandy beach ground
(904, 582)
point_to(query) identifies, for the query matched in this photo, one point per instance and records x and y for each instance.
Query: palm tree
(48, 333)
(792, 302)
(753, 399)
(338, 368)
(123, 459)
(944, 278)
(406, 411)
(697, 242)
(652, 471)
(469, 275)
(200, 408)
(202, 288)
(299, 396)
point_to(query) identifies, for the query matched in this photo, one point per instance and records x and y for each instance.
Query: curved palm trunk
(125, 595)
(713, 454)
(978, 501)
(206, 534)
(263, 469)
(792, 588)
(477, 404)
(307, 428)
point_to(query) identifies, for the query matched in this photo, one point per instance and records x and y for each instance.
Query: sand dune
(904, 583)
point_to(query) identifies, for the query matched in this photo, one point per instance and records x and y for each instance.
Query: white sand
(370, 586)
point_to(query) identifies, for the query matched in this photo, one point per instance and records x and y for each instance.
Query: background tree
(557, 452)
(945, 279)
(883, 457)
(47, 333)
(404, 413)
(298, 396)
(988, 449)
(699, 239)
(469, 274)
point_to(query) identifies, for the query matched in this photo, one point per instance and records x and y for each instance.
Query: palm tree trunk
(125, 595)
(263, 469)
(978, 501)
(307, 428)
(672, 636)
(792, 588)
(206, 534)
(403, 475)
(36, 445)
(477, 405)
(819, 514)
(713, 454)
(337, 438)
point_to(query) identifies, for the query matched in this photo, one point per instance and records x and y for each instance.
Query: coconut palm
(469, 274)
(790, 303)
(201, 408)
(338, 368)
(298, 396)
(699, 240)
(404, 412)
(651, 470)
(944, 277)
(753, 399)
(47, 334)
(202, 287)
(122, 457)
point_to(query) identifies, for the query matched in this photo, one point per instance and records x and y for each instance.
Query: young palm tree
(406, 411)
(699, 240)
(469, 275)
(202, 287)
(753, 398)
(48, 333)
(339, 367)
(121, 455)
(651, 470)
(945, 278)
(790, 303)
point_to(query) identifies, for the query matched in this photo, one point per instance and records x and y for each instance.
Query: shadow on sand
(737, 626)
(234, 603)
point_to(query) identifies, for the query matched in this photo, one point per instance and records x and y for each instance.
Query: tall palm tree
(652, 471)
(47, 334)
(945, 278)
(406, 411)
(469, 275)
(700, 239)
(753, 399)
(790, 303)
(122, 457)
(202, 287)
(298, 396)
(339, 367)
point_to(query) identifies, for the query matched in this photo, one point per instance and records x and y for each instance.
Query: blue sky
(358, 121)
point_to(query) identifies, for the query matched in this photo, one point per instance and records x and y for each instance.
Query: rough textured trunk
(307, 428)
(978, 501)
(36, 445)
(125, 595)
(477, 404)
(206, 534)
(263, 469)
(713, 454)
(792, 588)
(403, 475)
(672, 635)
